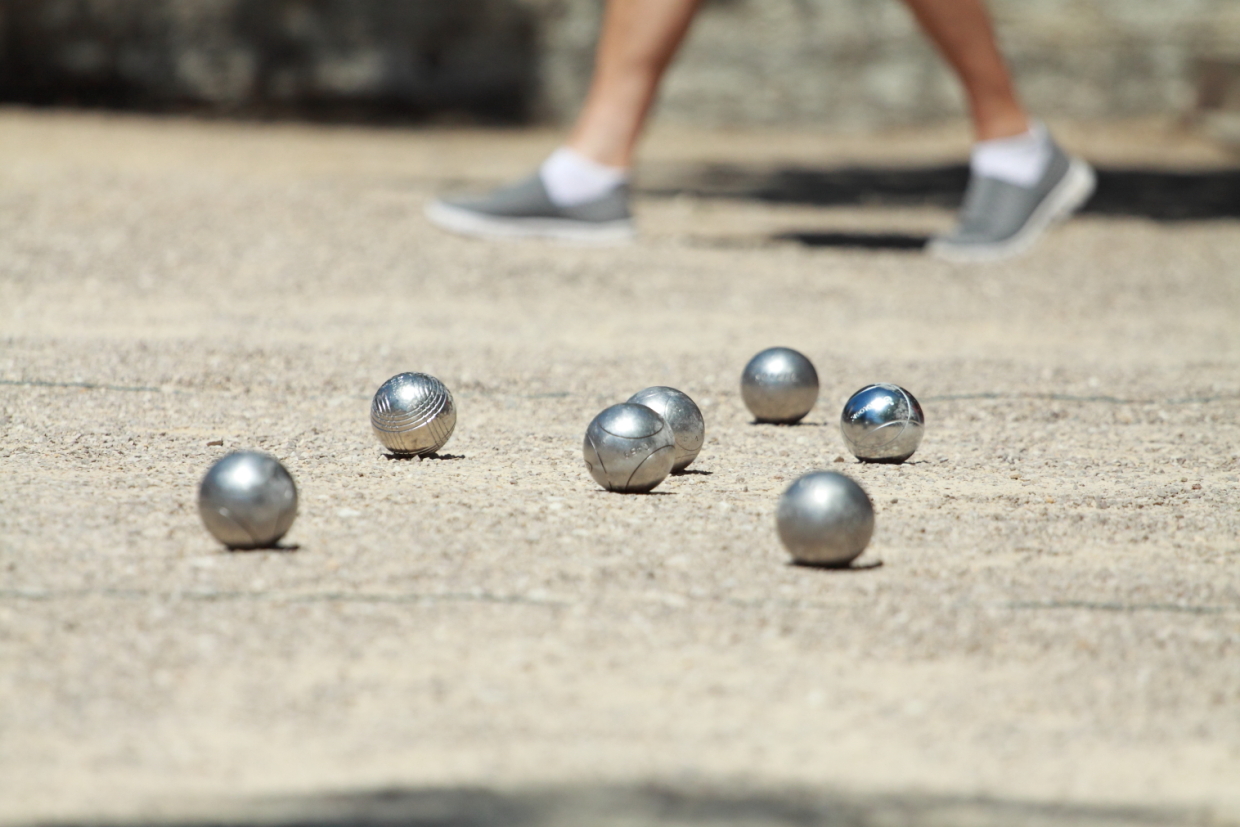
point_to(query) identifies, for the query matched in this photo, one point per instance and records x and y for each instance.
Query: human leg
(639, 40)
(962, 31)
(580, 193)
(1021, 181)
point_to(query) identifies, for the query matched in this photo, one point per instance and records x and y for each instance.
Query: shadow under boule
(850, 566)
(388, 455)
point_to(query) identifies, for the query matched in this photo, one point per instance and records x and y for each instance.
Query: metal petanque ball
(683, 416)
(248, 500)
(825, 519)
(413, 414)
(779, 385)
(629, 448)
(882, 423)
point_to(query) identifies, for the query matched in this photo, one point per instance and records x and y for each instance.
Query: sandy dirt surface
(1053, 635)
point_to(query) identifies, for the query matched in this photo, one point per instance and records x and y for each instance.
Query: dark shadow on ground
(856, 241)
(1161, 195)
(850, 566)
(655, 806)
(278, 548)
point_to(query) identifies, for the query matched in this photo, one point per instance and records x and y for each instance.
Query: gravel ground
(1053, 634)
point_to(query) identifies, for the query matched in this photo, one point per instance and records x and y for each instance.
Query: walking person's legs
(962, 31)
(1021, 181)
(580, 193)
(639, 40)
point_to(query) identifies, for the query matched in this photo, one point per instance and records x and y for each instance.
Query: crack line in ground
(1122, 607)
(1064, 397)
(275, 597)
(486, 597)
(91, 386)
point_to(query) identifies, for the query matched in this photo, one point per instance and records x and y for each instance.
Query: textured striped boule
(413, 414)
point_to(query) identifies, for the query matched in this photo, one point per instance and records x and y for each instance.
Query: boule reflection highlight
(413, 414)
(882, 423)
(629, 449)
(779, 386)
(248, 500)
(825, 519)
(682, 415)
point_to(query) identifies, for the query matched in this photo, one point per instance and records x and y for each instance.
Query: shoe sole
(476, 225)
(1068, 196)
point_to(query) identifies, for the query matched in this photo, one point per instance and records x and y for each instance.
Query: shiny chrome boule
(248, 500)
(779, 385)
(825, 519)
(682, 415)
(629, 448)
(413, 414)
(882, 423)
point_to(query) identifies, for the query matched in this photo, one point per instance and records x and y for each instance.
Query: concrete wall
(329, 57)
(836, 63)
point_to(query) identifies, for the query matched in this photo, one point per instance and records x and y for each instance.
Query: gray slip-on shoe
(1000, 220)
(524, 210)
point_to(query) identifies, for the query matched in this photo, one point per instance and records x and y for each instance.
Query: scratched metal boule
(779, 386)
(882, 423)
(682, 414)
(629, 449)
(248, 500)
(413, 414)
(825, 519)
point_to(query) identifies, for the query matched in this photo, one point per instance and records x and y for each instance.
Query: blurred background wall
(834, 63)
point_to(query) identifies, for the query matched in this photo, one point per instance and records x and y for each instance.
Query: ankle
(1006, 124)
(1019, 159)
(572, 178)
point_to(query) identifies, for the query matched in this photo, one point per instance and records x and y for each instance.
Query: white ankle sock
(1019, 160)
(571, 178)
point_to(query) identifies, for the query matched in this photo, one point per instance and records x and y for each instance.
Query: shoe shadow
(1156, 194)
(857, 241)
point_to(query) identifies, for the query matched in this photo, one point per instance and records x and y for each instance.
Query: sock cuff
(1018, 159)
(572, 179)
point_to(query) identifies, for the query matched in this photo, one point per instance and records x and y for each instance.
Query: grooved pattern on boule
(642, 472)
(629, 449)
(413, 414)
